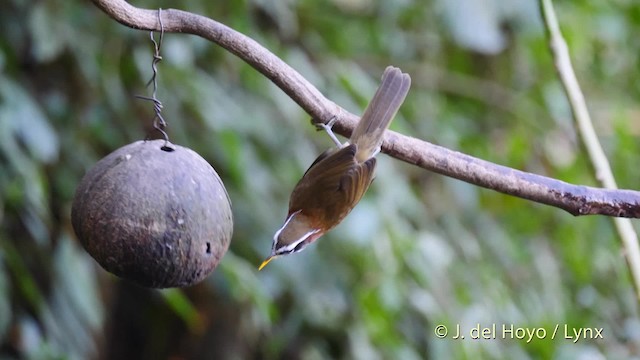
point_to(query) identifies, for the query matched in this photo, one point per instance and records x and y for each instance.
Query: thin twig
(575, 199)
(588, 135)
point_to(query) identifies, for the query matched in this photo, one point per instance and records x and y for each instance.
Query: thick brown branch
(577, 200)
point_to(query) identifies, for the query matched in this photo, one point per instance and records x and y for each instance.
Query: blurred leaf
(48, 37)
(176, 299)
(243, 283)
(24, 282)
(475, 24)
(75, 279)
(5, 302)
(21, 117)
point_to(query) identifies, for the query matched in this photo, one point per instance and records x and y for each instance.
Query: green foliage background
(420, 250)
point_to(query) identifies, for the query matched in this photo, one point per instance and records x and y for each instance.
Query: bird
(336, 181)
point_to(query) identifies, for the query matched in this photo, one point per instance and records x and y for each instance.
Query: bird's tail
(369, 132)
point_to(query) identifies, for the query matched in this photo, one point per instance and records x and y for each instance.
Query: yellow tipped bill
(265, 262)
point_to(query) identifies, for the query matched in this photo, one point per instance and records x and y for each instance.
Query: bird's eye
(291, 248)
(300, 246)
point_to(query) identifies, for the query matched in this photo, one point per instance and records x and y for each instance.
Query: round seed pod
(154, 213)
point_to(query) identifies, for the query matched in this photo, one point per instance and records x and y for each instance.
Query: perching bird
(339, 177)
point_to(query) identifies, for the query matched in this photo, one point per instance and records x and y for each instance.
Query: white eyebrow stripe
(293, 245)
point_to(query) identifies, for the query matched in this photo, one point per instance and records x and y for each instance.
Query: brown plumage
(336, 181)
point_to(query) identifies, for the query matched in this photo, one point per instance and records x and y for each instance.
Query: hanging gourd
(153, 212)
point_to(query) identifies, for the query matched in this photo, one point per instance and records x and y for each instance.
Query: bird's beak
(266, 261)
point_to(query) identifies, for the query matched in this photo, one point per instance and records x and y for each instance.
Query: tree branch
(575, 199)
(582, 120)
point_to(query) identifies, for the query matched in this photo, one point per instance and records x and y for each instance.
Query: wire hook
(158, 121)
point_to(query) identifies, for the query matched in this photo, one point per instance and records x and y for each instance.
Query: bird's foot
(327, 127)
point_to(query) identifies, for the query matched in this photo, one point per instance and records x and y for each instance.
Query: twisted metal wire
(159, 124)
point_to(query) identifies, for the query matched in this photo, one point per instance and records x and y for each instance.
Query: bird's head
(296, 233)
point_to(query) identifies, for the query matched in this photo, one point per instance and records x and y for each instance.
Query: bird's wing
(338, 176)
(357, 180)
(320, 158)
